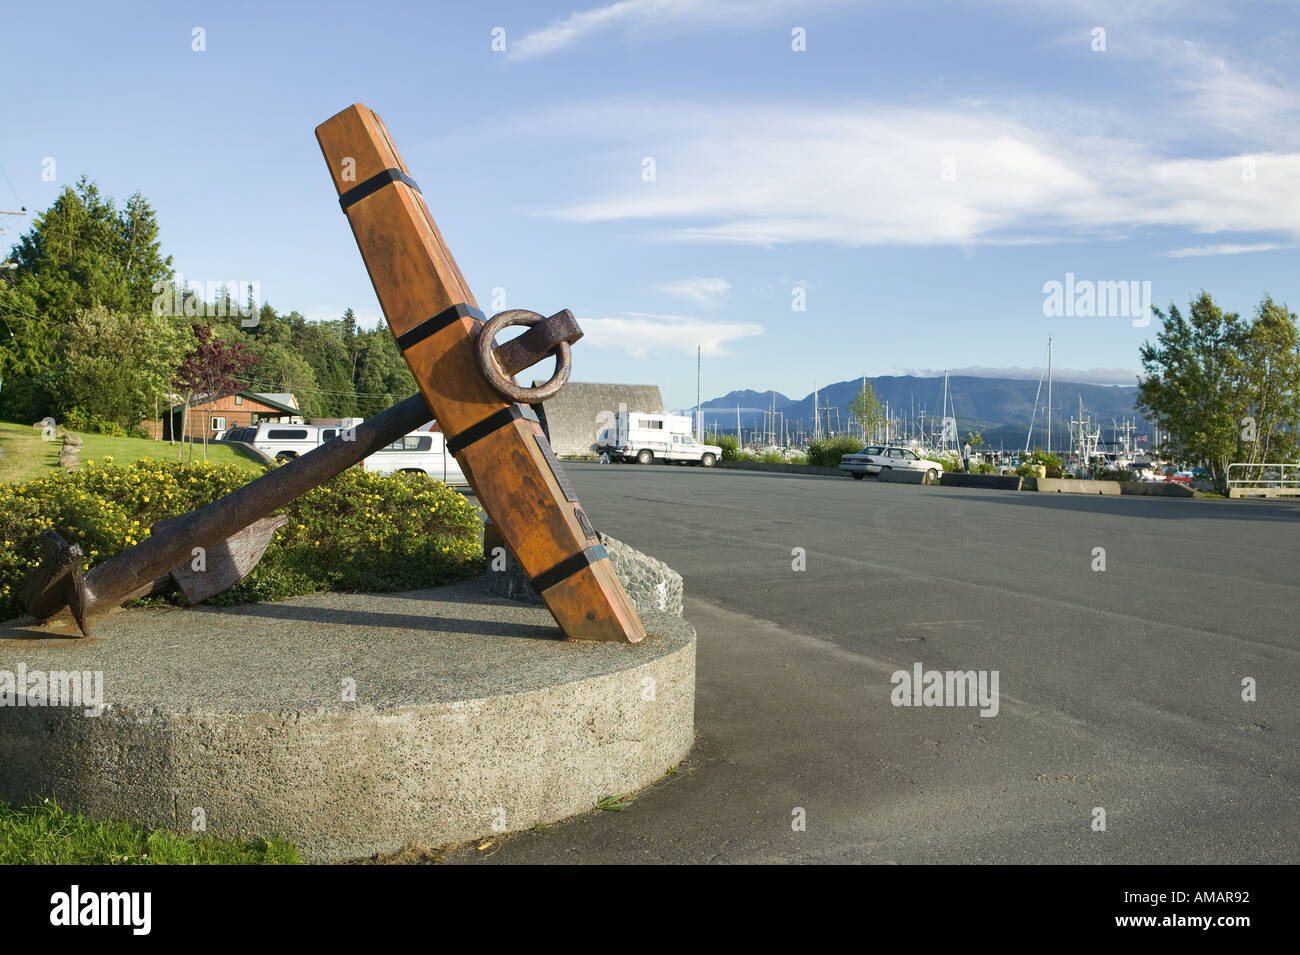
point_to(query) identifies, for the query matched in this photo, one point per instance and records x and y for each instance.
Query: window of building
(218, 424)
(239, 399)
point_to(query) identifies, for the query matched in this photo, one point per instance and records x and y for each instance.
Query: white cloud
(635, 15)
(707, 293)
(867, 175)
(640, 333)
(1227, 249)
(1255, 104)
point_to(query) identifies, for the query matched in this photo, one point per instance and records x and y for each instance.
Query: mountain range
(999, 408)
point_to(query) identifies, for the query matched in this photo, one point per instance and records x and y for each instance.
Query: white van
(284, 442)
(643, 438)
(423, 451)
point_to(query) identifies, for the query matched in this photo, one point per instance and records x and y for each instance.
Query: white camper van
(645, 438)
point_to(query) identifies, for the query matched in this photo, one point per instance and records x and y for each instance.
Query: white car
(876, 458)
(423, 452)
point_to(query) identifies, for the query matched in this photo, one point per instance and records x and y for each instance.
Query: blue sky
(921, 169)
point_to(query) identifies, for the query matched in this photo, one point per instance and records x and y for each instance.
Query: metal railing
(1264, 475)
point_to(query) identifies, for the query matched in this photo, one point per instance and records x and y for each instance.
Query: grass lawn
(26, 456)
(46, 835)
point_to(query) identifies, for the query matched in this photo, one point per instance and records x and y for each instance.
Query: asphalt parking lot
(1119, 689)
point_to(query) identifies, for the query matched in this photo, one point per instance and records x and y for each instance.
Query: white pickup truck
(645, 438)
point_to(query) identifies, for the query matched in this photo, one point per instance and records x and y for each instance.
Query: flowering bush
(360, 531)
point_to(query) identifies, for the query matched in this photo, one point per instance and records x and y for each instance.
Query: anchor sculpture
(466, 382)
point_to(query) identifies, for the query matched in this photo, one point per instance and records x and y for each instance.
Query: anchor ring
(551, 338)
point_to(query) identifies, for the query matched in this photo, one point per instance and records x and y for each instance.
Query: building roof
(281, 401)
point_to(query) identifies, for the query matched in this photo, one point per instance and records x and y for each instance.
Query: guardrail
(1264, 476)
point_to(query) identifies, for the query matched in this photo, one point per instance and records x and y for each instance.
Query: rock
(71, 440)
(651, 583)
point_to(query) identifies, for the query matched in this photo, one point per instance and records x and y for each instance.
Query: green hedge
(826, 452)
(360, 531)
(727, 442)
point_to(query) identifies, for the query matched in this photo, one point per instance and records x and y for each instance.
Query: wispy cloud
(640, 333)
(707, 293)
(630, 16)
(867, 175)
(1227, 249)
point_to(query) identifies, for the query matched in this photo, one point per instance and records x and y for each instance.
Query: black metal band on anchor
(374, 184)
(485, 427)
(432, 326)
(568, 567)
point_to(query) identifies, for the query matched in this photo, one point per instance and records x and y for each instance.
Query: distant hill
(999, 408)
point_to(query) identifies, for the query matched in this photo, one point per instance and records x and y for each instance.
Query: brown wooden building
(212, 416)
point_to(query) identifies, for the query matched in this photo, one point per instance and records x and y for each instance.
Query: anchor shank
(112, 581)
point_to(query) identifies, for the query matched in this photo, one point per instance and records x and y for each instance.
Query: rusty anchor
(235, 530)
(466, 382)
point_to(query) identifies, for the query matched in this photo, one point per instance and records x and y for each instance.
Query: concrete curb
(996, 482)
(782, 468)
(1071, 486)
(469, 719)
(1152, 489)
(896, 476)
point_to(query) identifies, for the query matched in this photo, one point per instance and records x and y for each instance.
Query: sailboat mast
(1049, 395)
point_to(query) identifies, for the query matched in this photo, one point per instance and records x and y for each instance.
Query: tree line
(82, 337)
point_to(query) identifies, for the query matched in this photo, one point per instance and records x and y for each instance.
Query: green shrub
(79, 420)
(727, 442)
(1052, 462)
(986, 467)
(826, 452)
(360, 531)
(950, 460)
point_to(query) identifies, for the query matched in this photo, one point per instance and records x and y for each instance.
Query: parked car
(422, 452)
(859, 465)
(876, 458)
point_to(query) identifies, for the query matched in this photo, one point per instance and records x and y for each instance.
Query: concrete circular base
(349, 723)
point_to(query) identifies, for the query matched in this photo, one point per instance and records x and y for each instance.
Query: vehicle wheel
(707, 461)
(885, 468)
(930, 476)
(285, 456)
(645, 456)
(857, 475)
